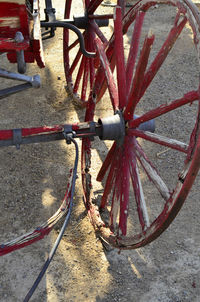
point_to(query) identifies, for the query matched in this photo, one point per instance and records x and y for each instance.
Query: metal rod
(73, 28)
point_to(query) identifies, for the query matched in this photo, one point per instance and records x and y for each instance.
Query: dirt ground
(33, 183)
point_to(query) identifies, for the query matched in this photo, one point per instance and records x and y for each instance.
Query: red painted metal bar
(162, 54)
(81, 129)
(164, 108)
(108, 74)
(134, 95)
(119, 55)
(134, 49)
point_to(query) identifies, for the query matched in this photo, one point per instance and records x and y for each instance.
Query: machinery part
(143, 185)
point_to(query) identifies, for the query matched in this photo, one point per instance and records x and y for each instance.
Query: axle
(109, 128)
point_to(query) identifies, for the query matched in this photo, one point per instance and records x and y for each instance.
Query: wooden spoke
(139, 195)
(99, 33)
(152, 172)
(163, 53)
(134, 94)
(71, 46)
(165, 108)
(159, 139)
(106, 163)
(85, 79)
(75, 62)
(79, 75)
(134, 49)
(114, 168)
(119, 55)
(124, 194)
(108, 74)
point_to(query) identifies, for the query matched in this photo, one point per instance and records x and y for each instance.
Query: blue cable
(52, 253)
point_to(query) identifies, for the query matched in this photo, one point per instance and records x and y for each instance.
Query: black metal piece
(50, 16)
(21, 64)
(49, 11)
(82, 21)
(11, 90)
(147, 126)
(64, 24)
(17, 137)
(113, 127)
(68, 133)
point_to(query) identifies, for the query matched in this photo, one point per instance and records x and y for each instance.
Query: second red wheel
(79, 69)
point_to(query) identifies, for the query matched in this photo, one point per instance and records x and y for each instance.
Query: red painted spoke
(138, 192)
(79, 75)
(99, 32)
(85, 80)
(119, 55)
(103, 84)
(134, 94)
(162, 54)
(67, 8)
(164, 108)
(108, 74)
(93, 5)
(71, 46)
(114, 168)
(159, 139)
(134, 49)
(86, 3)
(92, 73)
(107, 162)
(124, 192)
(151, 172)
(75, 62)
(115, 202)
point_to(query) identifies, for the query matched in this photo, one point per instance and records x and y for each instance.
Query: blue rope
(52, 253)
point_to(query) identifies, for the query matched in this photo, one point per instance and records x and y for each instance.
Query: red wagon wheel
(79, 70)
(145, 177)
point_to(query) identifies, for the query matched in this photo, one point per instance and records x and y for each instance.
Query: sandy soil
(33, 183)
